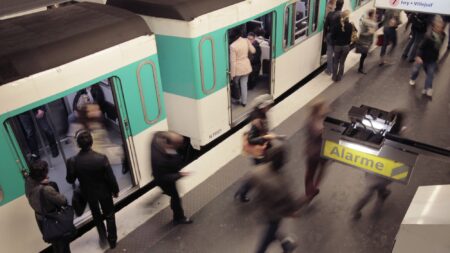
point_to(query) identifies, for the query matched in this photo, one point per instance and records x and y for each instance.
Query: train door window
(316, 10)
(47, 132)
(245, 88)
(301, 20)
(360, 3)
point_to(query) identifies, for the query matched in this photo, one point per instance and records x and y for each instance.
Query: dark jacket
(342, 38)
(419, 22)
(165, 167)
(259, 128)
(94, 173)
(430, 47)
(331, 20)
(52, 199)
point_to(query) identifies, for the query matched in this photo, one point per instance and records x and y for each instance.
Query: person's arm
(54, 197)
(233, 60)
(254, 137)
(110, 178)
(326, 27)
(251, 48)
(71, 171)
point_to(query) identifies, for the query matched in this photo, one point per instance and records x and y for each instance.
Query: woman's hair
(39, 170)
(344, 18)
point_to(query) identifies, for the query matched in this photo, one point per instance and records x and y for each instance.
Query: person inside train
(166, 163)
(240, 66)
(315, 164)
(332, 19)
(93, 94)
(44, 197)
(342, 38)
(368, 27)
(274, 198)
(255, 60)
(38, 117)
(98, 186)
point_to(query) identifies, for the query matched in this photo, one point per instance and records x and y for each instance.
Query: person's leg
(61, 246)
(336, 59)
(415, 71)
(244, 82)
(385, 43)
(330, 53)
(30, 133)
(430, 69)
(363, 201)
(175, 201)
(107, 205)
(393, 39)
(342, 59)
(44, 125)
(243, 191)
(417, 40)
(97, 217)
(409, 45)
(310, 190)
(269, 236)
(320, 172)
(362, 59)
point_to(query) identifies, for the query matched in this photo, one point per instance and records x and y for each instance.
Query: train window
(47, 132)
(360, 3)
(297, 21)
(301, 20)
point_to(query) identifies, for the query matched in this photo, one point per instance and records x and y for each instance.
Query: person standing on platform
(418, 29)
(275, 200)
(331, 20)
(240, 66)
(391, 22)
(98, 186)
(368, 28)
(166, 165)
(342, 37)
(315, 164)
(44, 197)
(428, 55)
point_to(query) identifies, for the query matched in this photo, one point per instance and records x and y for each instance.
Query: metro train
(176, 78)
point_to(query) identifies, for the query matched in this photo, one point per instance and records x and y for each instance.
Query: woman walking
(368, 28)
(342, 37)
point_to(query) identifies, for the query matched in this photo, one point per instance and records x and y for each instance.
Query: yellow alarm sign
(366, 162)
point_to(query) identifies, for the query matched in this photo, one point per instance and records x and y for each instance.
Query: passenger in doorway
(38, 117)
(419, 27)
(428, 55)
(98, 185)
(44, 197)
(274, 197)
(391, 22)
(255, 60)
(240, 66)
(315, 164)
(342, 37)
(368, 28)
(166, 164)
(258, 137)
(331, 20)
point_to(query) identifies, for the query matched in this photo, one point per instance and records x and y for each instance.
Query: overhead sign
(429, 6)
(367, 162)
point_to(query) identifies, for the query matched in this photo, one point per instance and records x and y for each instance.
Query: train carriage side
(69, 50)
(193, 43)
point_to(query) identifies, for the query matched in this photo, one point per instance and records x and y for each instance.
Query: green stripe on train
(11, 179)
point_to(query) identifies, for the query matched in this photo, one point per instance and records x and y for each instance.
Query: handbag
(380, 40)
(57, 225)
(252, 150)
(78, 202)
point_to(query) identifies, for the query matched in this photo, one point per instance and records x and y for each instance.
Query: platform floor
(223, 225)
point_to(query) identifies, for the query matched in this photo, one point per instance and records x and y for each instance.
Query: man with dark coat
(98, 185)
(331, 20)
(166, 165)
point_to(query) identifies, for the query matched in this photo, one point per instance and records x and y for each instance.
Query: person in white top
(240, 66)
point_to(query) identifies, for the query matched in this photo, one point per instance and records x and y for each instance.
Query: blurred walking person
(428, 55)
(315, 164)
(418, 29)
(368, 28)
(391, 22)
(98, 186)
(275, 200)
(333, 17)
(166, 165)
(374, 184)
(341, 37)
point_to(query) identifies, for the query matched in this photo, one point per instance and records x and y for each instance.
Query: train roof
(185, 10)
(33, 43)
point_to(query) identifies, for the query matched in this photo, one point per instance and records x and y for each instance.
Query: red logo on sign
(394, 2)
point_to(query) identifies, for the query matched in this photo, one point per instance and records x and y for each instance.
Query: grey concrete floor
(224, 225)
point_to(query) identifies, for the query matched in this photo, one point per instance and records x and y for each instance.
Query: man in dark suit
(98, 185)
(166, 165)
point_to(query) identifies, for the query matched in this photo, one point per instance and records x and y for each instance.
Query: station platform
(223, 225)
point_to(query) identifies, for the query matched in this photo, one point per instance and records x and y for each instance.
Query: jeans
(340, 55)
(430, 69)
(170, 189)
(390, 36)
(411, 48)
(269, 236)
(31, 135)
(330, 53)
(361, 61)
(242, 82)
(107, 208)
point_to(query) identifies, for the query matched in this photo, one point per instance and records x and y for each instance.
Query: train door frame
(272, 49)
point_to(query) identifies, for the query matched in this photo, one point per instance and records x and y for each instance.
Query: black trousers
(107, 208)
(61, 246)
(269, 236)
(170, 189)
(30, 132)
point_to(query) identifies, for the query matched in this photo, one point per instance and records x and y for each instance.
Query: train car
(81, 66)
(193, 39)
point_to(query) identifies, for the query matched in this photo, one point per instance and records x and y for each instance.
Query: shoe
(327, 73)
(103, 243)
(430, 92)
(182, 221)
(242, 198)
(243, 105)
(288, 245)
(412, 82)
(112, 244)
(362, 72)
(424, 91)
(381, 64)
(55, 152)
(411, 60)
